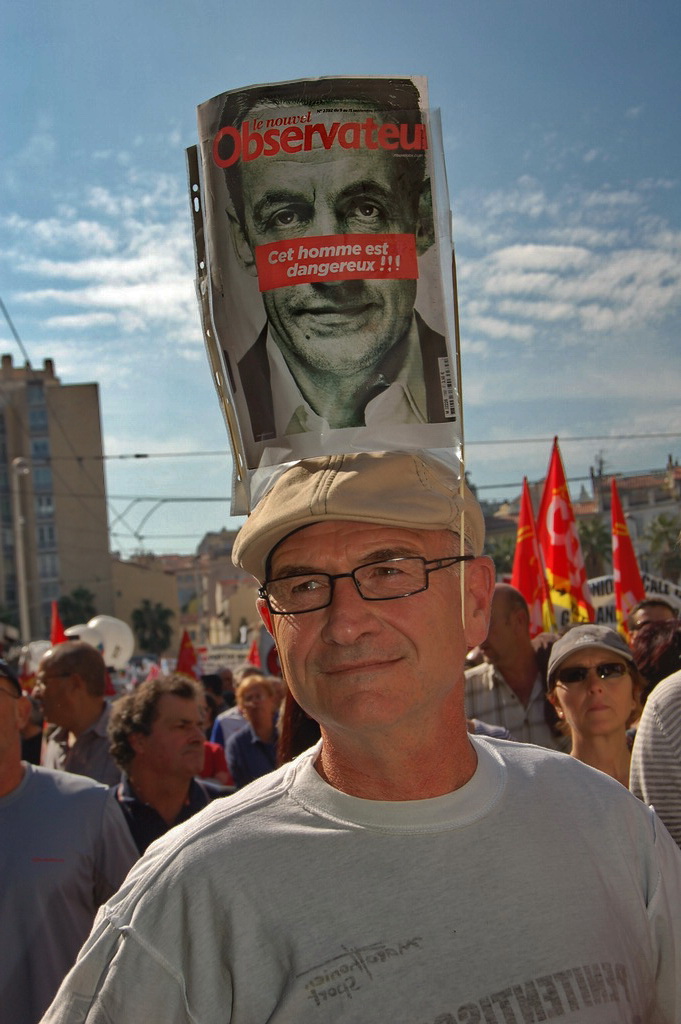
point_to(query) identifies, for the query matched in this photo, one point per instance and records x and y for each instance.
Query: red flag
(528, 574)
(187, 661)
(153, 673)
(57, 634)
(629, 589)
(254, 655)
(559, 542)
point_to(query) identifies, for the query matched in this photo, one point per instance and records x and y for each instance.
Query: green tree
(502, 550)
(151, 626)
(663, 535)
(77, 607)
(596, 543)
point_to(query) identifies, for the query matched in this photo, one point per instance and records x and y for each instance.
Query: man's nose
(326, 221)
(349, 615)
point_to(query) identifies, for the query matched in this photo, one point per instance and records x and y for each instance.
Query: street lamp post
(20, 467)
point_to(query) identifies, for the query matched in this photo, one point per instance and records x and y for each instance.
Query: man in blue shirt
(157, 740)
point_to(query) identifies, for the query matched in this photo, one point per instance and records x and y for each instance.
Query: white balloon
(118, 638)
(31, 654)
(87, 634)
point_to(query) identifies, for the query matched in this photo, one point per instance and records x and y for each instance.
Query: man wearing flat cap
(401, 870)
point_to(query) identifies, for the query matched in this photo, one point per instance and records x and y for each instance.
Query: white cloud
(551, 312)
(493, 327)
(595, 263)
(125, 268)
(527, 199)
(80, 321)
(612, 197)
(54, 232)
(541, 257)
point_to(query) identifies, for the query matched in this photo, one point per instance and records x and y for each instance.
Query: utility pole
(20, 467)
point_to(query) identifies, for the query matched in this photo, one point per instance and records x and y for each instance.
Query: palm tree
(151, 626)
(663, 535)
(77, 607)
(596, 544)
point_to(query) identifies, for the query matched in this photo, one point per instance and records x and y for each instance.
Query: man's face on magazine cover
(340, 326)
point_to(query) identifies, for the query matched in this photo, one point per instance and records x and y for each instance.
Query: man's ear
(78, 686)
(242, 247)
(264, 613)
(425, 229)
(479, 579)
(22, 712)
(137, 741)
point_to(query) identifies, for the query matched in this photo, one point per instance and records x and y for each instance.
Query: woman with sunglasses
(594, 686)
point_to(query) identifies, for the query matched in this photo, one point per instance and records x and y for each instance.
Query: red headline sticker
(335, 258)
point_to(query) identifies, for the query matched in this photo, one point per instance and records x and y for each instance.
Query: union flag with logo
(528, 574)
(187, 658)
(629, 589)
(559, 543)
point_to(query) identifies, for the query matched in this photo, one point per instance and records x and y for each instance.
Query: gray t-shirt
(541, 889)
(89, 755)
(64, 849)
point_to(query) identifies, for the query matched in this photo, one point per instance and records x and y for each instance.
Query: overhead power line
(588, 438)
(14, 331)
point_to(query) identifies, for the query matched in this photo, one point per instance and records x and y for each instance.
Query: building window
(34, 392)
(37, 420)
(44, 505)
(46, 536)
(40, 448)
(42, 478)
(48, 566)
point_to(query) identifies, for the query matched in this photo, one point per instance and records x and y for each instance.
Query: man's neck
(417, 765)
(11, 773)
(338, 400)
(166, 794)
(87, 718)
(520, 673)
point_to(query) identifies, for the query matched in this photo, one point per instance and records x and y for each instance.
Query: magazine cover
(324, 272)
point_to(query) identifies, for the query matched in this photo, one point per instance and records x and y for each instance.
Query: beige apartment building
(53, 519)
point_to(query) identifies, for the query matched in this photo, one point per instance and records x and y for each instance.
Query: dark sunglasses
(578, 673)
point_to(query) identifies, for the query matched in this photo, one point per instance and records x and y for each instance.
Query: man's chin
(350, 349)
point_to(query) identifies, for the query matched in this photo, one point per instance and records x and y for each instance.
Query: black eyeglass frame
(606, 670)
(436, 563)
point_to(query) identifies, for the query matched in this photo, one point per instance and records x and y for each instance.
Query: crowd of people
(305, 832)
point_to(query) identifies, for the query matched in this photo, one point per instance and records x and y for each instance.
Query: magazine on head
(325, 273)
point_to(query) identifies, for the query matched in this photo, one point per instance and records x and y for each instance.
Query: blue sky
(560, 121)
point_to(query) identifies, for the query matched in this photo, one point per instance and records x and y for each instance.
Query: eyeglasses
(254, 698)
(578, 673)
(387, 580)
